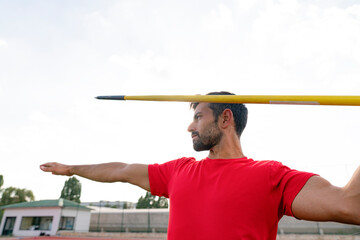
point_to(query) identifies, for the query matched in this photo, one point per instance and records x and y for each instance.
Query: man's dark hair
(239, 111)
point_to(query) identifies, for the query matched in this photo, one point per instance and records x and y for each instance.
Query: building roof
(46, 203)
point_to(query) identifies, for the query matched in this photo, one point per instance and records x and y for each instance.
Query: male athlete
(227, 195)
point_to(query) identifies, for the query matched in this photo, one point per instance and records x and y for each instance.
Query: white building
(45, 217)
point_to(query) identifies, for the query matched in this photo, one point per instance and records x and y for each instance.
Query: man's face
(205, 132)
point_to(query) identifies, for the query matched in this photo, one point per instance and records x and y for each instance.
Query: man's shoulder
(185, 160)
(267, 162)
(271, 165)
(179, 161)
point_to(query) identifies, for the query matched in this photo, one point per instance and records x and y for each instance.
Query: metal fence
(156, 221)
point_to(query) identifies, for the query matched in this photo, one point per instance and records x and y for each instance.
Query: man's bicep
(318, 200)
(138, 175)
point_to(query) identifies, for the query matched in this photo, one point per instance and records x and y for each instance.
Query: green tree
(12, 195)
(71, 190)
(1, 181)
(150, 201)
(162, 202)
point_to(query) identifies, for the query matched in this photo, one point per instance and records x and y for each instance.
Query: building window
(36, 223)
(67, 223)
(9, 225)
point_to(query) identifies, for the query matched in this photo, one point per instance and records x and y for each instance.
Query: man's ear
(226, 118)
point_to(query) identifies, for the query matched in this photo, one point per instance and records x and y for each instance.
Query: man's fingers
(55, 168)
(47, 167)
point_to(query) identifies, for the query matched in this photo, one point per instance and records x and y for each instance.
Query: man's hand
(56, 168)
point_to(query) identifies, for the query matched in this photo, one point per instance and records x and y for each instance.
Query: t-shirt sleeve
(160, 176)
(289, 183)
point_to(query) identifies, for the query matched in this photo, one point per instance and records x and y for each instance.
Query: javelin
(252, 99)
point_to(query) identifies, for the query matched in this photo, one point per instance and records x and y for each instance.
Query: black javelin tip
(118, 97)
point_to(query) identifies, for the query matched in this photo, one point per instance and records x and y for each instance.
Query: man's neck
(225, 156)
(226, 150)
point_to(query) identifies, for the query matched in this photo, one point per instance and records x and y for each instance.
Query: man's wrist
(70, 170)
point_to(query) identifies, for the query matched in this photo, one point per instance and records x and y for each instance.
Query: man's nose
(191, 127)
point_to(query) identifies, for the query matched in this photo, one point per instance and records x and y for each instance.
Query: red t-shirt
(225, 198)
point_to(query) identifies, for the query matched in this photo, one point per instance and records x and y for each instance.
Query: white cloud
(246, 6)
(303, 31)
(146, 63)
(219, 19)
(96, 19)
(3, 43)
(39, 117)
(314, 44)
(125, 61)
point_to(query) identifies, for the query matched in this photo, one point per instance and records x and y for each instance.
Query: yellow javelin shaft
(254, 99)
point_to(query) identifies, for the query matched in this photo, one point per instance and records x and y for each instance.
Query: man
(227, 195)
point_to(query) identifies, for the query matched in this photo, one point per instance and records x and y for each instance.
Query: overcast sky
(56, 56)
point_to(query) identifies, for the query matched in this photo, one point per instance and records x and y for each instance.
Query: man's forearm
(105, 172)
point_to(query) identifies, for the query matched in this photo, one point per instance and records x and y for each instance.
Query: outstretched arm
(321, 201)
(136, 174)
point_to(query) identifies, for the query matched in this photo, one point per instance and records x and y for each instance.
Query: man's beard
(210, 138)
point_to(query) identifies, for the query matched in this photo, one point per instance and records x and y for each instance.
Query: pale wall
(82, 217)
(33, 212)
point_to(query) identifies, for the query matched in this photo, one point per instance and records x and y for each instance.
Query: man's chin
(201, 148)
